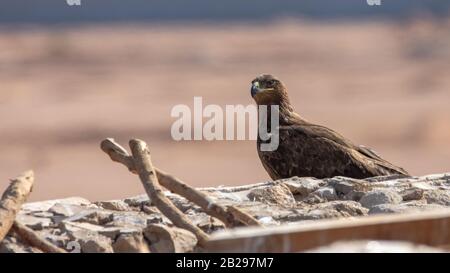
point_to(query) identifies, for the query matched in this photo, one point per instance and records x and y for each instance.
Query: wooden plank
(428, 228)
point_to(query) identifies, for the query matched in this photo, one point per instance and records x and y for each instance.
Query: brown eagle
(307, 149)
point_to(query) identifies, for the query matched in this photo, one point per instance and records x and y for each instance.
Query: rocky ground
(135, 225)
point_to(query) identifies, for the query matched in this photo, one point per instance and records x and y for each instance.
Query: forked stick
(12, 199)
(147, 174)
(118, 154)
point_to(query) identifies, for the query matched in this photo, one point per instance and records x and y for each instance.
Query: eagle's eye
(271, 83)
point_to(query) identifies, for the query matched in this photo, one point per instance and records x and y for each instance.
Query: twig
(243, 216)
(118, 154)
(147, 174)
(12, 199)
(33, 239)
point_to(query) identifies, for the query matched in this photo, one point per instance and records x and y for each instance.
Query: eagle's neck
(287, 116)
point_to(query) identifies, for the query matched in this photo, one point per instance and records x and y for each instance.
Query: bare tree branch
(12, 199)
(147, 174)
(118, 154)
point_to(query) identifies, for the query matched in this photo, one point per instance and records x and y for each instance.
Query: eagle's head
(268, 90)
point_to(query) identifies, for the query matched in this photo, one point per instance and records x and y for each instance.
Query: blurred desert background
(380, 81)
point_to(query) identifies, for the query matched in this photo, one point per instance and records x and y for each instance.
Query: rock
(335, 209)
(71, 227)
(355, 195)
(110, 232)
(56, 237)
(128, 220)
(343, 187)
(412, 206)
(118, 205)
(89, 216)
(380, 196)
(169, 240)
(11, 244)
(118, 225)
(114, 232)
(87, 237)
(46, 205)
(302, 186)
(412, 194)
(155, 219)
(65, 210)
(205, 222)
(138, 201)
(42, 214)
(130, 243)
(278, 194)
(150, 209)
(33, 222)
(440, 197)
(92, 243)
(326, 193)
(181, 203)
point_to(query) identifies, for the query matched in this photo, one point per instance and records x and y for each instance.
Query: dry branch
(243, 217)
(173, 184)
(147, 174)
(12, 199)
(33, 239)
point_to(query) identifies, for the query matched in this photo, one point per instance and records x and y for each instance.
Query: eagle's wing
(303, 153)
(313, 130)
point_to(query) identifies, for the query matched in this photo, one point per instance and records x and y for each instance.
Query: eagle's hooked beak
(255, 88)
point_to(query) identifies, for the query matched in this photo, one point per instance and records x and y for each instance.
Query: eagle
(310, 150)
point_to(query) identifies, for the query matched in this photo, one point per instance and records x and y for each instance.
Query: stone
(278, 194)
(302, 186)
(11, 244)
(134, 225)
(441, 197)
(110, 232)
(412, 194)
(355, 195)
(65, 210)
(335, 209)
(412, 206)
(114, 232)
(128, 220)
(165, 239)
(118, 205)
(380, 196)
(70, 227)
(33, 222)
(138, 201)
(46, 205)
(86, 237)
(150, 209)
(89, 216)
(56, 237)
(343, 187)
(92, 243)
(130, 243)
(326, 193)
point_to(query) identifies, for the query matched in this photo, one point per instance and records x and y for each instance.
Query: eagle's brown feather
(307, 149)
